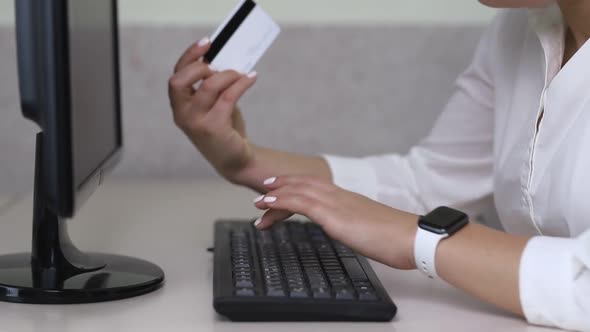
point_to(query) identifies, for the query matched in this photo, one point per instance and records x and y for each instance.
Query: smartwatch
(432, 228)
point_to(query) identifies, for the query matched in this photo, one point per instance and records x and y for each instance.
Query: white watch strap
(425, 251)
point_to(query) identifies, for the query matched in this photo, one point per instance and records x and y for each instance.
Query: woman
(517, 128)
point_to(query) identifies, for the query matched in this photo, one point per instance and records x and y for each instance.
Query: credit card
(242, 39)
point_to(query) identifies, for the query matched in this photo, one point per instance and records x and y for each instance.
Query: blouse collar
(549, 25)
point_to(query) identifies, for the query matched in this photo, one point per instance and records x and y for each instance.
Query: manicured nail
(258, 221)
(203, 42)
(270, 199)
(252, 74)
(258, 199)
(270, 181)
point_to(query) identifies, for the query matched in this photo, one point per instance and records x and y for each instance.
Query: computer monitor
(68, 64)
(69, 85)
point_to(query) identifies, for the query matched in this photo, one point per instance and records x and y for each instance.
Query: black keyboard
(293, 272)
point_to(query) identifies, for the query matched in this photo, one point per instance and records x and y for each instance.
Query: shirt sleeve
(554, 282)
(452, 166)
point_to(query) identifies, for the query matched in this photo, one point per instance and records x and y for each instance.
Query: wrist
(436, 226)
(400, 239)
(249, 173)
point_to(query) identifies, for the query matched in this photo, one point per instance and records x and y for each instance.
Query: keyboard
(293, 272)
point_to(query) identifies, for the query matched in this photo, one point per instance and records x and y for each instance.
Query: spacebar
(353, 268)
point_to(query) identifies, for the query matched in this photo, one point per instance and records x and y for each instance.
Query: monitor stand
(56, 272)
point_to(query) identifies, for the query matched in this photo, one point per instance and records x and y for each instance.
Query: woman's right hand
(204, 106)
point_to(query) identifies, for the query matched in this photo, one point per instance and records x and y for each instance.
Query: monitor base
(56, 272)
(121, 277)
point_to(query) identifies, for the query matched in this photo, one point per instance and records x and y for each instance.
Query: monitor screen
(93, 91)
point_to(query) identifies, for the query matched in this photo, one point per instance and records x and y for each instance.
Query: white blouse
(517, 128)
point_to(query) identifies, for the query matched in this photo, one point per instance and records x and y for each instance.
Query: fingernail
(203, 42)
(258, 221)
(252, 74)
(258, 199)
(270, 199)
(270, 181)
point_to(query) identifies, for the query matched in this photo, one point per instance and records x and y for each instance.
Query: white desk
(170, 223)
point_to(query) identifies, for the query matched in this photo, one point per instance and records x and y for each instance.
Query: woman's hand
(208, 114)
(370, 228)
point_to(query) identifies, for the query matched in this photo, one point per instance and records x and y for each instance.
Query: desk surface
(170, 223)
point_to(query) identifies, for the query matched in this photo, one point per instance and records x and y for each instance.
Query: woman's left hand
(368, 227)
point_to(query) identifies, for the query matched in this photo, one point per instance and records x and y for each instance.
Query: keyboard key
(339, 283)
(298, 293)
(244, 284)
(353, 269)
(274, 284)
(275, 292)
(357, 283)
(321, 293)
(344, 293)
(336, 275)
(329, 261)
(367, 296)
(245, 292)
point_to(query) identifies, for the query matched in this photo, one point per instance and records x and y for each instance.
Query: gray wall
(344, 90)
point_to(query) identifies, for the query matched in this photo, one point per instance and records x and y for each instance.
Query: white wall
(296, 11)
(6, 11)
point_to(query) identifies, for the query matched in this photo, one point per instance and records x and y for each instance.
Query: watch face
(443, 220)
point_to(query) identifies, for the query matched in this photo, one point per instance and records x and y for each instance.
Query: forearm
(484, 263)
(268, 163)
